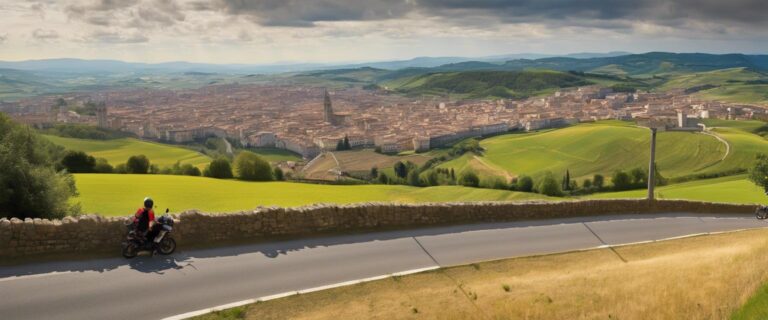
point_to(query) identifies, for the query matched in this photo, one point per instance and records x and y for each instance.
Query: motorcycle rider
(145, 220)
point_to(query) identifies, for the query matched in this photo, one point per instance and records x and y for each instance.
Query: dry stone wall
(94, 234)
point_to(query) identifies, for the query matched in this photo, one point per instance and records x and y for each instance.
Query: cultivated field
(119, 150)
(734, 189)
(361, 161)
(706, 277)
(591, 148)
(118, 194)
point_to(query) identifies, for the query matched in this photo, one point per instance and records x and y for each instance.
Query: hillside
(109, 196)
(487, 84)
(733, 189)
(603, 147)
(119, 150)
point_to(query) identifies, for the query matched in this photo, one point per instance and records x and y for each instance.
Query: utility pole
(652, 166)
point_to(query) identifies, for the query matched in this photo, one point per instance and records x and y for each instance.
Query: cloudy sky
(267, 31)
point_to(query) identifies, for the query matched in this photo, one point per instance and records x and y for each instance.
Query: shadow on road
(185, 259)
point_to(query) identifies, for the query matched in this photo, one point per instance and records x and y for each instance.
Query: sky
(280, 31)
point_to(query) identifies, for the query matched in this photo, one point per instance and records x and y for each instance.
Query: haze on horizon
(268, 31)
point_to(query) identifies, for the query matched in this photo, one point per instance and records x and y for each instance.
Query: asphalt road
(152, 288)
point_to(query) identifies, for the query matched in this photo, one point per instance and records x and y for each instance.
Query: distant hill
(485, 84)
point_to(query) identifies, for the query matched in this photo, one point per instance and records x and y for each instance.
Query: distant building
(328, 115)
(101, 117)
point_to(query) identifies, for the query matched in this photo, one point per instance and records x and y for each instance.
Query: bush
(621, 181)
(469, 179)
(413, 178)
(219, 169)
(759, 173)
(190, 170)
(524, 184)
(598, 181)
(550, 186)
(383, 179)
(102, 166)
(251, 167)
(121, 168)
(587, 184)
(279, 176)
(137, 164)
(30, 187)
(78, 162)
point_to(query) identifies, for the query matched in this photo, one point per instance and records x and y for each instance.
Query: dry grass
(704, 277)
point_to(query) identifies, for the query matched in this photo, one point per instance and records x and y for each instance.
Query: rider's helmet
(148, 203)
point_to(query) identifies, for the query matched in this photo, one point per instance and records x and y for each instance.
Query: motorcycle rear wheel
(166, 246)
(130, 251)
(761, 213)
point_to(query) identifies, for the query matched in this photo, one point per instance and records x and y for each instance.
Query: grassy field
(742, 93)
(733, 189)
(706, 277)
(603, 147)
(716, 77)
(361, 161)
(117, 195)
(275, 155)
(119, 150)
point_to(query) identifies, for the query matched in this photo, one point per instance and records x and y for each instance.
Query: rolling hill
(602, 147)
(118, 151)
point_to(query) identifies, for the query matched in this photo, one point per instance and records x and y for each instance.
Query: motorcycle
(761, 213)
(163, 243)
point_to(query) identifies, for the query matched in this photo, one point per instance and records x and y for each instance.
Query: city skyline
(338, 31)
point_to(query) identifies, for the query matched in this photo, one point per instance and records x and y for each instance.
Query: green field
(756, 307)
(734, 189)
(603, 147)
(275, 155)
(117, 194)
(119, 150)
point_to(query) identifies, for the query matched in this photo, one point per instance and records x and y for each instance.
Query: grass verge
(706, 277)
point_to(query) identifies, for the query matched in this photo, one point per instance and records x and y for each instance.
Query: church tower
(328, 109)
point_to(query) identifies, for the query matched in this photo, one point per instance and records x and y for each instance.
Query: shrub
(190, 170)
(598, 181)
(102, 166)
(137, 164)
(549, 186)
(587, 184)
(413, 178)
(219, 169)
(469, 179)
(621, 181)
(279, 176)
(121, 168)
(759, 172)
(524, 184)
(251, 167)
(78, 162)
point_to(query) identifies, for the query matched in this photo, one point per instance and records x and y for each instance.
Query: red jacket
(137, 216)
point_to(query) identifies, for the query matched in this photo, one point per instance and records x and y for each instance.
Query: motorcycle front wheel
(130, 251)
(761, 213)
(166, 246)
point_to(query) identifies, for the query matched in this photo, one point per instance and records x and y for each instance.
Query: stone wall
(94, 234)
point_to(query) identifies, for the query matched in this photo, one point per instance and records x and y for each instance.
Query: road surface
(153, 288)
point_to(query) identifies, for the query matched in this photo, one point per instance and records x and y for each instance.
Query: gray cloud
(603, 14)
(41, 34)
(128, 13)
(297, 13)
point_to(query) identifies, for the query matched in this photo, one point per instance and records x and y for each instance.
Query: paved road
(150, 288)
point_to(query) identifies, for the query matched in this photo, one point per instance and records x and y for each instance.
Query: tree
(347, 146)
(102, 166)
(453, 175)
(401, 170)
(621, 181)
(525, 184)
(433, 178)
(279, 176)
(340, 145)
(78, 162)
(374, 172)
(190, 170)
(219, 169)
(30, 187)
(567, 180)
(469, 179)
(598, 181)
(549, 186)
(383, 179)
(121, 168)
(639, 177)
(251, 167)
(759, 172)
(413, 178)
(137, 164)
(587, 184)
